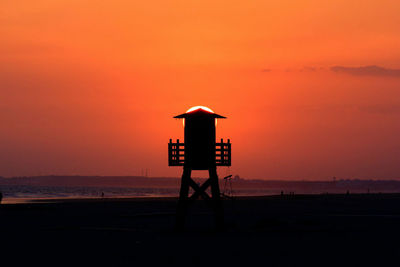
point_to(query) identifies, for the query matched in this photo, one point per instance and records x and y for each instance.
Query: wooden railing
(223, 153)
(176, 153)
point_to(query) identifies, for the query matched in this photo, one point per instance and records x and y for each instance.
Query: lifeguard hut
(199, 151)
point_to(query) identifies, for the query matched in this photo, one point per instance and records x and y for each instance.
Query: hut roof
(199, 112)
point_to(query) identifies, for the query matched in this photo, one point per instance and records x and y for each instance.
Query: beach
(361, 229)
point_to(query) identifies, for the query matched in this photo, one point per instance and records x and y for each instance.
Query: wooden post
(183, 199)
(216, 198)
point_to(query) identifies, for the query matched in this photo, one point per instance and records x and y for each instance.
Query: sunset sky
(311, 89)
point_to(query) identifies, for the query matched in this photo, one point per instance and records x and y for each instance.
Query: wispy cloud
(372, 70)
(266, 70)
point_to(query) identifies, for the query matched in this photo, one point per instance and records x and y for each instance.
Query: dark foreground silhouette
(299, 230)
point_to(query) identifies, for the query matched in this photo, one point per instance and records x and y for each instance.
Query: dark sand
(301, 230)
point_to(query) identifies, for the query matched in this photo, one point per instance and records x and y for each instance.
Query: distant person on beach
(1, 197)
(102, 194)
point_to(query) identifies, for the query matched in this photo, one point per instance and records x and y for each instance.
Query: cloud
(266, 70)
(367, 71)
(308, 68)
(304, 69)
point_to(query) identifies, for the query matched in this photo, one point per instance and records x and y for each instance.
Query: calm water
(18, 193)
(28, 191)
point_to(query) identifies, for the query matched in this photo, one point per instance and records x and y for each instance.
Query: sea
(26, 193)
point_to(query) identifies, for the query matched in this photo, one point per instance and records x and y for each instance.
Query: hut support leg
(183, 199)
(216, 199)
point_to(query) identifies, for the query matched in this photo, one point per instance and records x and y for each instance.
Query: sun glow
(199, 107)
(196, 108)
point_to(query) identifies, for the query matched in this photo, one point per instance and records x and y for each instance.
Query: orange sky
(90, 87)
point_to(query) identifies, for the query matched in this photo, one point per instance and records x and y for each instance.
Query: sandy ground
(300, 230)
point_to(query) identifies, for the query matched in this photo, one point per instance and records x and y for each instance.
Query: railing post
(177, 149)
(229, 153)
